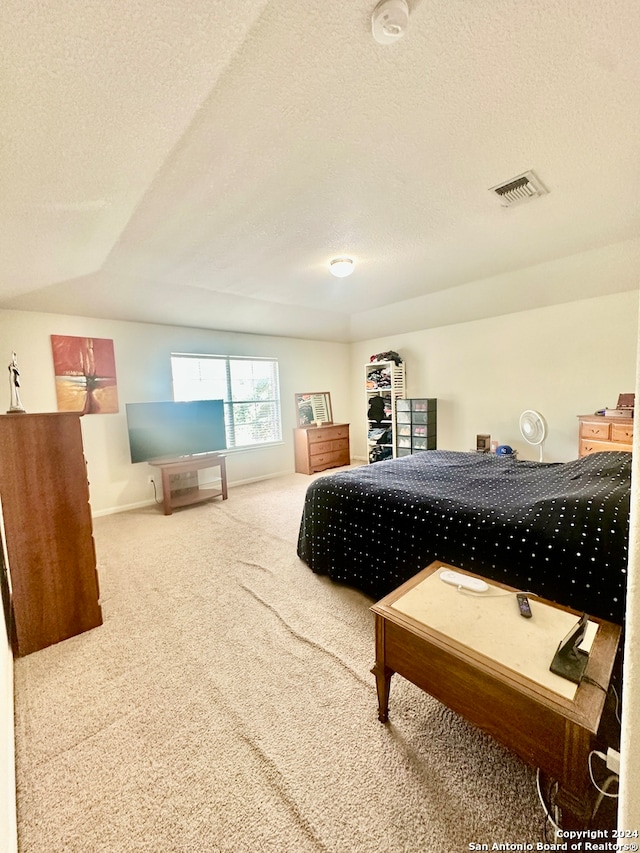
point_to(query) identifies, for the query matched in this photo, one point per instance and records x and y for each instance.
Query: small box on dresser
(320, 447)
(599, 432)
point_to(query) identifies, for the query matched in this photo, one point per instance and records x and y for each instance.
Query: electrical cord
(588, 680)
(502, 594)
(617, 708)
(602, 793)
(470, 592)
(600, 790)
(547, 813)
(155, 492)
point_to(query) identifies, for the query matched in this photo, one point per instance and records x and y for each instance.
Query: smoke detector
(389, 21)
(522, 188)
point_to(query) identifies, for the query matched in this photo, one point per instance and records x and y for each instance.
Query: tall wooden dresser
(598, 432)
(320, 447)
(47, 528)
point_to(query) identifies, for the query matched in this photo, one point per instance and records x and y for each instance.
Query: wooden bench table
(176, 495)
(430, 634)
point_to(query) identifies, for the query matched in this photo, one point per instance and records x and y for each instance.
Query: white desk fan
(533, 428)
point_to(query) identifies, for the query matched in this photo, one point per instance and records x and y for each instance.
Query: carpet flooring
(227, 704)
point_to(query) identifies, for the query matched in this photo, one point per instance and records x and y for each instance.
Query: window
(249, 388)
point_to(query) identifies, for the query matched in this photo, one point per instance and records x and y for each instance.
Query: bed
(559, 530)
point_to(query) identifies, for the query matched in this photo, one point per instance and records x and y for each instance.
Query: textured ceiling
(198, 163)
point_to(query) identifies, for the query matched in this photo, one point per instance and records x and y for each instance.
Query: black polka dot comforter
(559, 530)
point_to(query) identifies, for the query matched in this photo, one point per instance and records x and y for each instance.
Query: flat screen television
(174, 429)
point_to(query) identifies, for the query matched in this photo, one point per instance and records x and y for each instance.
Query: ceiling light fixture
(341, 267)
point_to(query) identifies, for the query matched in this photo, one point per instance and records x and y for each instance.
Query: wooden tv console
(176, 494)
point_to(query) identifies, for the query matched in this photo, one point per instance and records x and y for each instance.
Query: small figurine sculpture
(14, 384)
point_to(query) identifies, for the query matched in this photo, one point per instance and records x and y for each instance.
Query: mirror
(313, 409)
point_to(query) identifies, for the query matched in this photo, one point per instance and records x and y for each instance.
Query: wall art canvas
(85, 371)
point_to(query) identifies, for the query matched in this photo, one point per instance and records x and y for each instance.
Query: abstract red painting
(85, 371)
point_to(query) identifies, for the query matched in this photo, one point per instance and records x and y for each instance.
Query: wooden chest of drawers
(318, 448)
(598, 432)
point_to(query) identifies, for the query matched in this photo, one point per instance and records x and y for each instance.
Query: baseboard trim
(140, 504)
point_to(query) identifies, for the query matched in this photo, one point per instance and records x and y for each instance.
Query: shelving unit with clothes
(384, 385)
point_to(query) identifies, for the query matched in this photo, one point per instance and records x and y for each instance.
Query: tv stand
(176, 493)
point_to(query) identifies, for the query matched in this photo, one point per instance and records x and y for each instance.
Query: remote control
(458, 579)
(524, 606)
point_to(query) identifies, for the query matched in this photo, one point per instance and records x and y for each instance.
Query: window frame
(232, 424)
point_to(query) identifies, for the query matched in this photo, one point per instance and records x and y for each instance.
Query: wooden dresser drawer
(622, 433)
(330, 433)
(317, 448)
(324, 448)
(328, 460)
(587, 446)
(601, 431)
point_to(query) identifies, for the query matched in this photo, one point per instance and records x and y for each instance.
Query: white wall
(8, 829)
(563, 360)
(142, 354)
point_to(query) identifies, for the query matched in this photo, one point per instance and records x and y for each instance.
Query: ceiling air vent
(518, 190)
